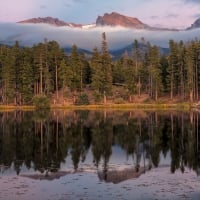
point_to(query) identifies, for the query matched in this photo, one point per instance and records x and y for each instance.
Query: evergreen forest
(46, 71)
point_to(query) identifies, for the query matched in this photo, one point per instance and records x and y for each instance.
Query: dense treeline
(45, 70)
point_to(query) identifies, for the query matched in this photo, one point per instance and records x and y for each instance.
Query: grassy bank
(179, 106)
(157, 106)
(13, 108)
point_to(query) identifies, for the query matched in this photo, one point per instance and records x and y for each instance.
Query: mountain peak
(196, 24)
(50, 21)
(45, 20)
(108, 19)
(116, 19)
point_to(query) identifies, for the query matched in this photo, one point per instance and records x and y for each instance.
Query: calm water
(99, 155)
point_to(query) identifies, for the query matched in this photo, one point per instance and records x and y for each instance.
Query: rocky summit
(195, 25)
(50, 21)
(113, 19)
(116, 19)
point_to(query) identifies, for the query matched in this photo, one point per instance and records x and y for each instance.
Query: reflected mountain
(117, 176)
(47, 176)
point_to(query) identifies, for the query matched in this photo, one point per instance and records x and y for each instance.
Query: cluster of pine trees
(46, 70)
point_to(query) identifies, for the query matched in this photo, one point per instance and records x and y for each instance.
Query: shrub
(119, 100)
(97, 97)
(147, 100)
(41, 102)
(82, 99)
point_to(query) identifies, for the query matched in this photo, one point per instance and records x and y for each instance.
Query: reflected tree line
(43, 140)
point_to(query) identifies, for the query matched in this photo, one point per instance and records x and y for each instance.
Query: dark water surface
(99, 155)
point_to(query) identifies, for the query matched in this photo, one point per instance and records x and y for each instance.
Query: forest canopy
(46, 70)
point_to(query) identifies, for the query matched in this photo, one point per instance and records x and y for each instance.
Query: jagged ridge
(49, 20)
(113, 19)
(195, 25)
(116, 19)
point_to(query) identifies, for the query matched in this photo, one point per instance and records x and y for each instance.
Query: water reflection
(70, 141)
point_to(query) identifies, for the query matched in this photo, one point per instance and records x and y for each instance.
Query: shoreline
(144, 106)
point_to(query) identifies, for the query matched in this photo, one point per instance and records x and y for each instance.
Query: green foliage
(45, 70)
(106, 67)
(97, 72)
(8, 77)
(118, 72)
(41, 102)
(76, 67)
(101, 69)
(82, 99)
(97, 97)
(119, 100)
(26, 77)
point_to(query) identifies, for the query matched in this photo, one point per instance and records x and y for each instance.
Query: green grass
(182, 106)
(144, 106)
(13, 108)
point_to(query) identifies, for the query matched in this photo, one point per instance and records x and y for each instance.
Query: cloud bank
(118, 37)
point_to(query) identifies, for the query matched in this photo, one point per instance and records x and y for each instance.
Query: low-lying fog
(117, 37)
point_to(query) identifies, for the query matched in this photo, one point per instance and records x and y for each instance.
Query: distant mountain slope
(195, 25)
(87, 53)
(118, 53)
(113, 19)
(50, 21)
(116, 19)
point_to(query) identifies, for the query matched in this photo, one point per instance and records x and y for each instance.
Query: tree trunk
(56, 82)
(182, 83)
(156, 92)
(104, 98)
(197, 87)
(130, 98)
(171, 84)
(191, 95)
(41, 76)
(139, 85)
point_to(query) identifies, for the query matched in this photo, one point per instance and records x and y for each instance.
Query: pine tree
(155, 73)
(102, 71)
(137, 66)
(76, 67)
(172, 70)
(65, 75)
(130, 81)
(39, 65)
(106, 68)
(8, 78)
(54, 56)
(86, 70)
(181, 75)
(118, 72)
(192, 58)
(96, 66)
(26, 86)
(48, 69)
(17, 56)
(164, 67)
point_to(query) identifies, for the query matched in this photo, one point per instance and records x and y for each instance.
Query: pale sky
(165, 13)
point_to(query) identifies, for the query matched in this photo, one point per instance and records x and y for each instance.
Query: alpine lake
(99, 154)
